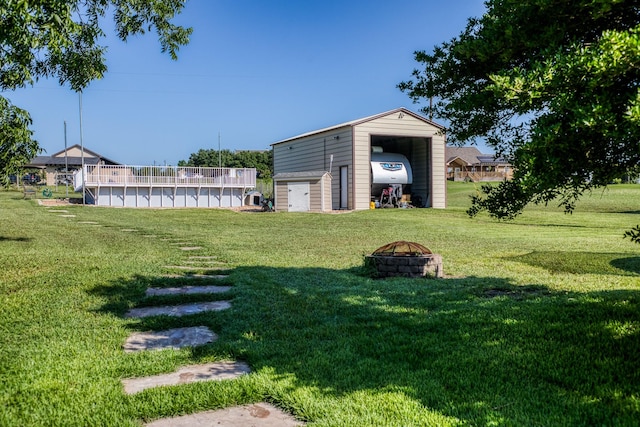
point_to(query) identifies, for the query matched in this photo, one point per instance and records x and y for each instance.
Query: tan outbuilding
(397, 148)
(303, 191)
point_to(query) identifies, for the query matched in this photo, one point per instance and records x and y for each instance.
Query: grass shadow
(14, 239)
(479, 349)
(630, 264)
(582, 262)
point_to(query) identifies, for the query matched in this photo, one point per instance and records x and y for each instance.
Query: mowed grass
(537, 322)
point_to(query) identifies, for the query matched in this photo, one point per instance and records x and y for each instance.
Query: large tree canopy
(61, 39)
(552, 85)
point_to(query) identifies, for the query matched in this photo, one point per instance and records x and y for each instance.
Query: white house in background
(345, 166)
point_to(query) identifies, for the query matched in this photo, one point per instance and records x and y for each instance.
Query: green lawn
(537, 322)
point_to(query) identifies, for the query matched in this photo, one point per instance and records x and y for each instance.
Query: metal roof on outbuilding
(363, 120)
(292, 176)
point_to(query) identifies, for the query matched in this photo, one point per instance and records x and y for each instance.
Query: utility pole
(66, 162)
(219, 152)
(81, 145)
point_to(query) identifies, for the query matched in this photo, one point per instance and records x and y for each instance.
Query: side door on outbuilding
(298, 196)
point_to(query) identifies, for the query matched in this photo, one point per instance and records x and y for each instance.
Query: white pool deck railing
(126, 185)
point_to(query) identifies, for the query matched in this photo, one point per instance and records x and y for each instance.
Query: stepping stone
(171, 338)
(178, 310)
(179, 243)
(187, 290)
(256, 415)
(195, 276)
(68, 215)
(58, 210)
(128, 230)
(190, 248)
(216, 371)
(149, 235)
(202, 257)
(203, 261)
(87, 222)
(194, 267)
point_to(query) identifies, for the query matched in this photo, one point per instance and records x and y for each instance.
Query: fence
(158, 176)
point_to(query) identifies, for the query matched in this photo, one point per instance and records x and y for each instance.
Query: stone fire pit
(405, 259)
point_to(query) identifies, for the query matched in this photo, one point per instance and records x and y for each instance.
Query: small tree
(17, 146)
(262, 161)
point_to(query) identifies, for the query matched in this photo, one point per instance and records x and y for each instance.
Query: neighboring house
(469, 164)
(70, 159)
(344, 166)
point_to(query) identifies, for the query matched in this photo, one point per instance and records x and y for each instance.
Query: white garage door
(298, 196)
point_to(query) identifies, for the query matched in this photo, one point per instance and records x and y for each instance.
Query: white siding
(438, 173)
(319, 193)
(148, 197)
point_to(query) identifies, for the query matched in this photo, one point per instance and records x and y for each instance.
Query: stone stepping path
(68, 215)
(255, 415)
(202, 257)
(87, 222)
(128, 230)
(187, 290)
(262, 414)
(57, 210)
(195, 276)
(171, 338)
(178, 310)
(216, 371)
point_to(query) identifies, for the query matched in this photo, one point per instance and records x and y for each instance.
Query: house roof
(59, 159)
(472, 156)
(469, 155)
(87, 152)
(363, 120)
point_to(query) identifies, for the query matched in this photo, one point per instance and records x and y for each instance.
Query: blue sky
(255, 72)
